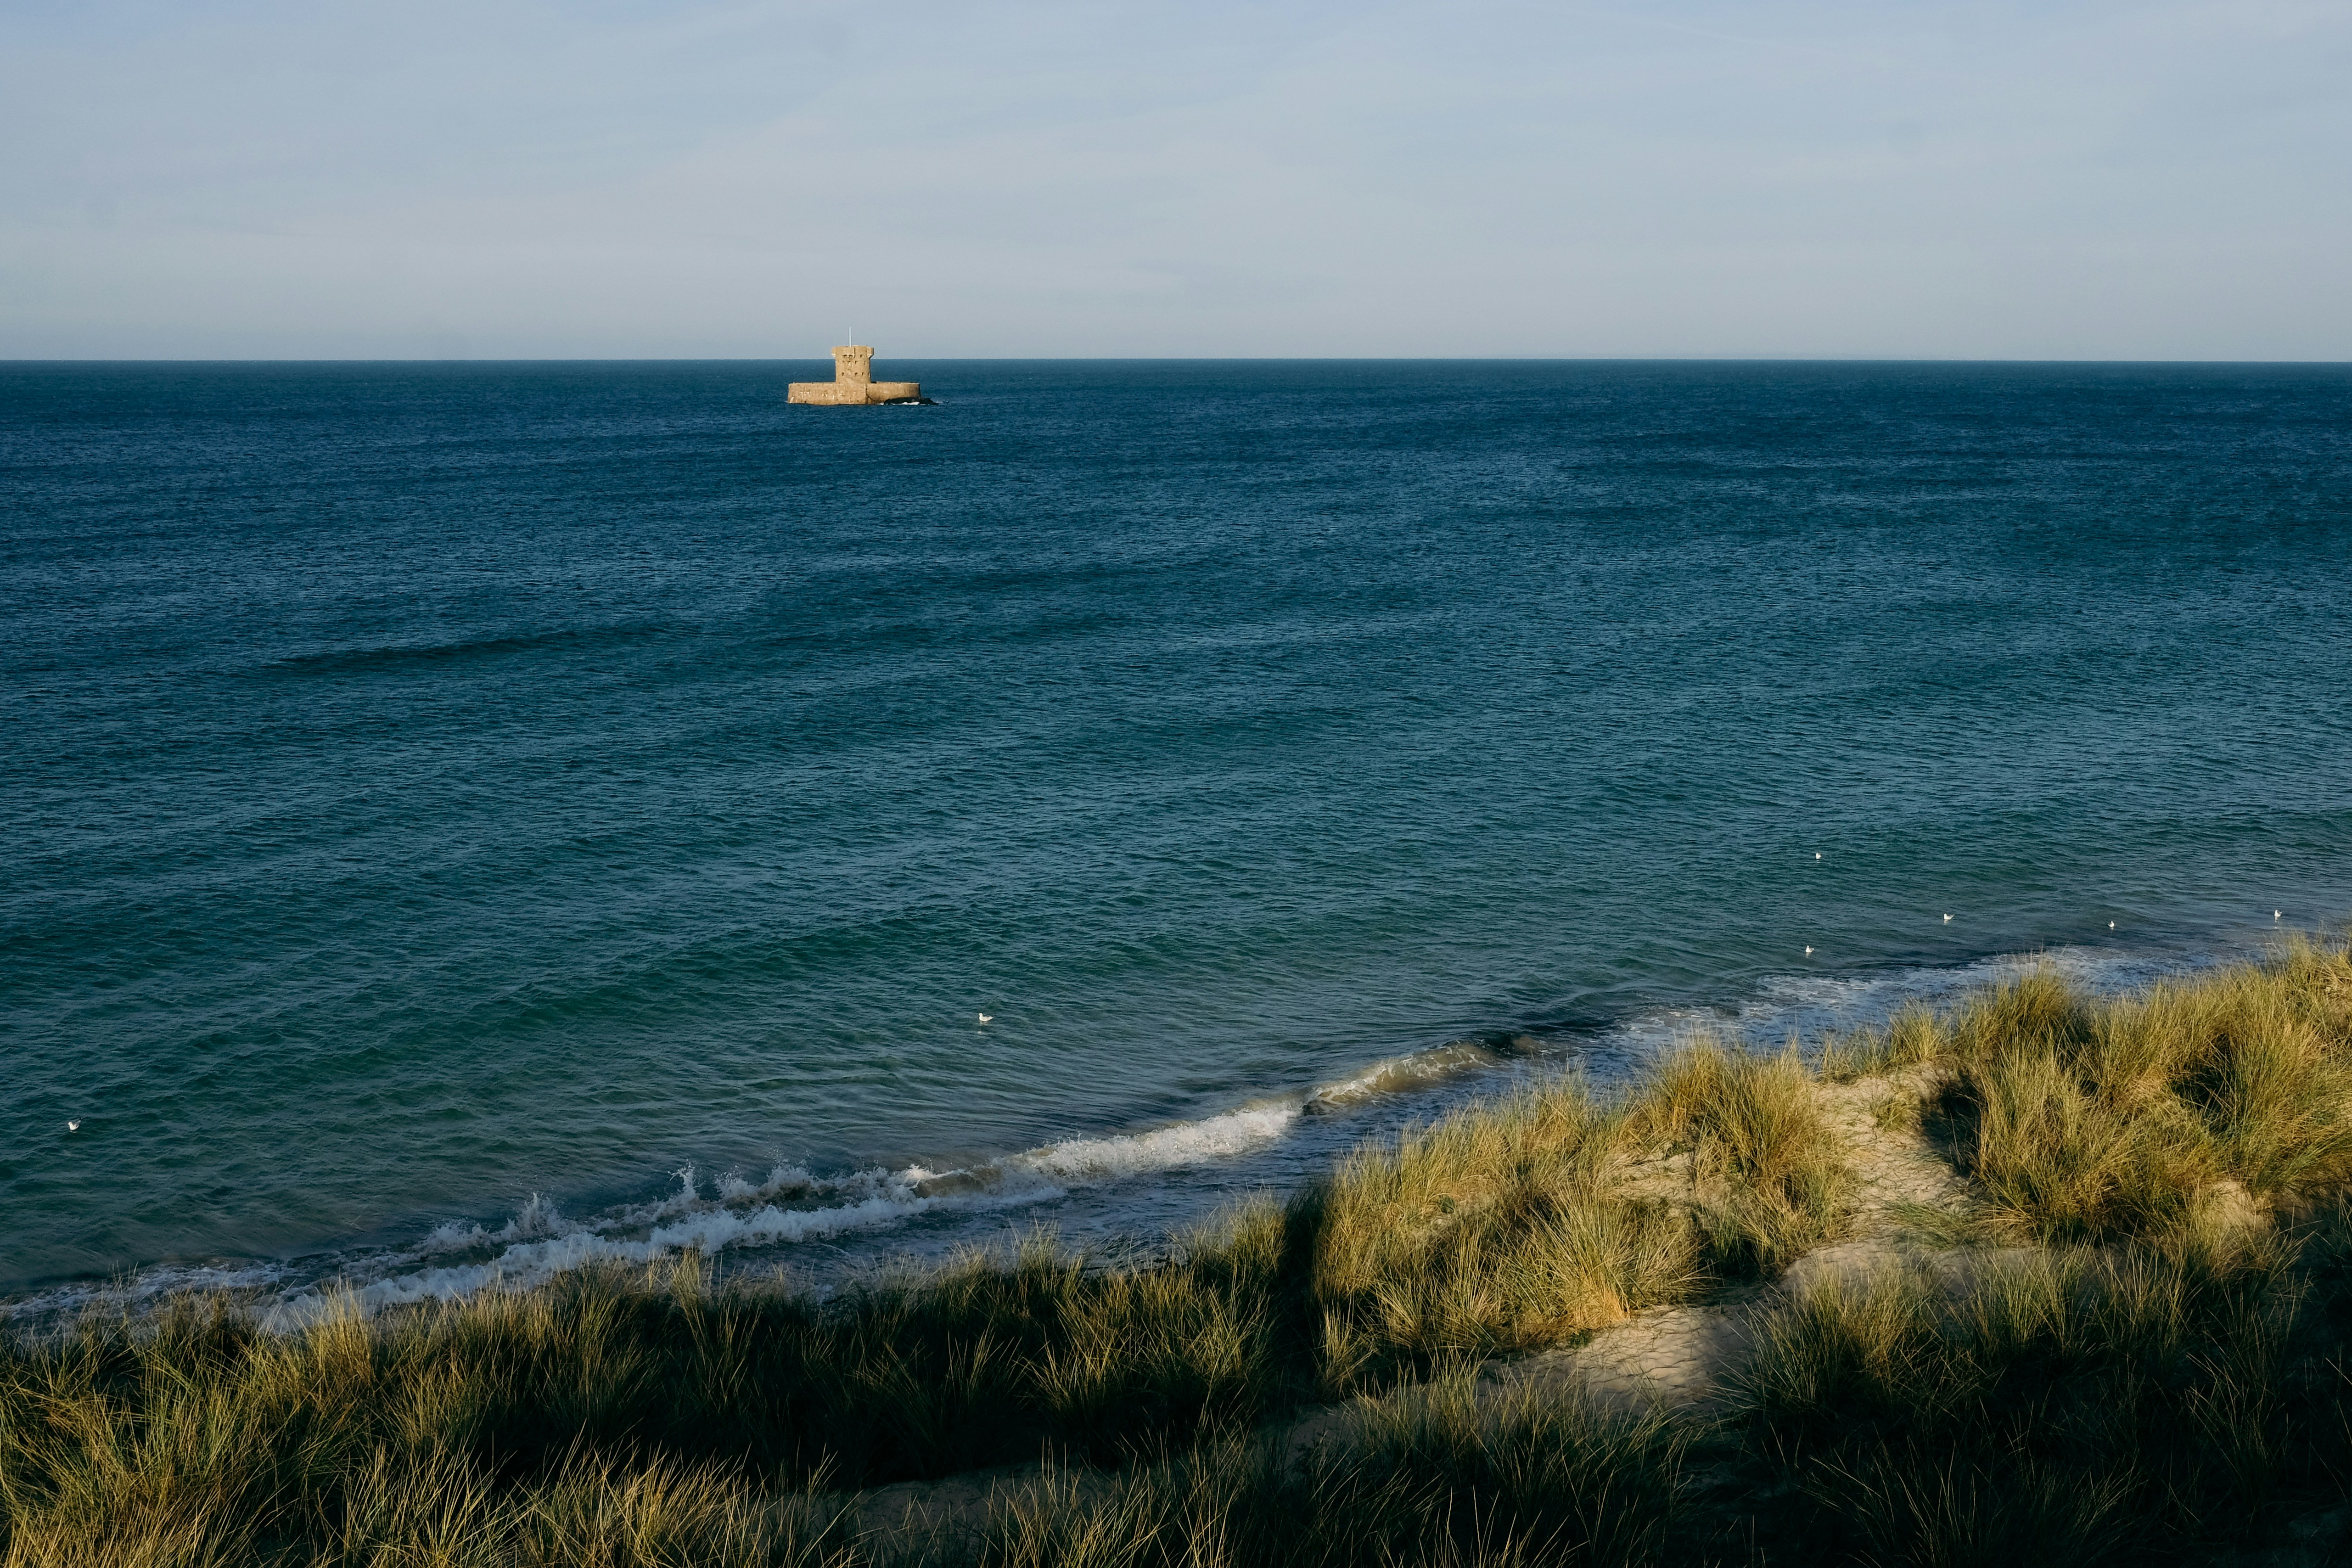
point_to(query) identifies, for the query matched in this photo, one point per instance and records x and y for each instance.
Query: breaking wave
(789, 1206)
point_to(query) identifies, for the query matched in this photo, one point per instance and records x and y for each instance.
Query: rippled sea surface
(423, 787)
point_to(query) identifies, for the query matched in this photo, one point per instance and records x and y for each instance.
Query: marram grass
(2088, 1120)
(2148, 1366)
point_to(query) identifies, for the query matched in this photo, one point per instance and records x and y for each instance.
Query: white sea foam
(712, 1227)
(1803, 1007)
(788, 1206)
(64, 1303)
(791, 1206)
(1398, 1075)
(1163, 1148)
(534, 1219)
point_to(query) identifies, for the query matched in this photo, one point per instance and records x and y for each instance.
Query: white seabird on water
(73, 1126)
(1809, 952)
(1947, 920)
(986, 1017)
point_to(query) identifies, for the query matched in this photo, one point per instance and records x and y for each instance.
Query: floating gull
(1809, 952)
(73, 1126)
(1947, 920)
(986, 1017)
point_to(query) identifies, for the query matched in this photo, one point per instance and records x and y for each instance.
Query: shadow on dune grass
(2162, 1373)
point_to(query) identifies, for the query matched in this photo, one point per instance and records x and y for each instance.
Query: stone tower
(852, 382)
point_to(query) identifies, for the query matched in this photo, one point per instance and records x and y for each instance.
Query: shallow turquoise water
(422, 787)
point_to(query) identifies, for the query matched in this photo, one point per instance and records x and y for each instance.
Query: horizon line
(1153, 359)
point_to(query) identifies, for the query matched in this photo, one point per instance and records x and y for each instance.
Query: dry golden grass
(1497, 1228)
(1768, 1174)
(2085, 1119)
(626, 1420)
(1914, 1035)
(1527, 1223)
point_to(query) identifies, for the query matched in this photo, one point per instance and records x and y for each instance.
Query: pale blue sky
(271, 179)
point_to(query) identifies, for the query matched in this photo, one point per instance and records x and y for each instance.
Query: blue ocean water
(479, 817)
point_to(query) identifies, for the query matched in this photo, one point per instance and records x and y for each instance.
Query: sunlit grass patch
(1771, 1177)
(1496, 1228)
(1516, 1224)
(2130, 1342)
(2091, 1118)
